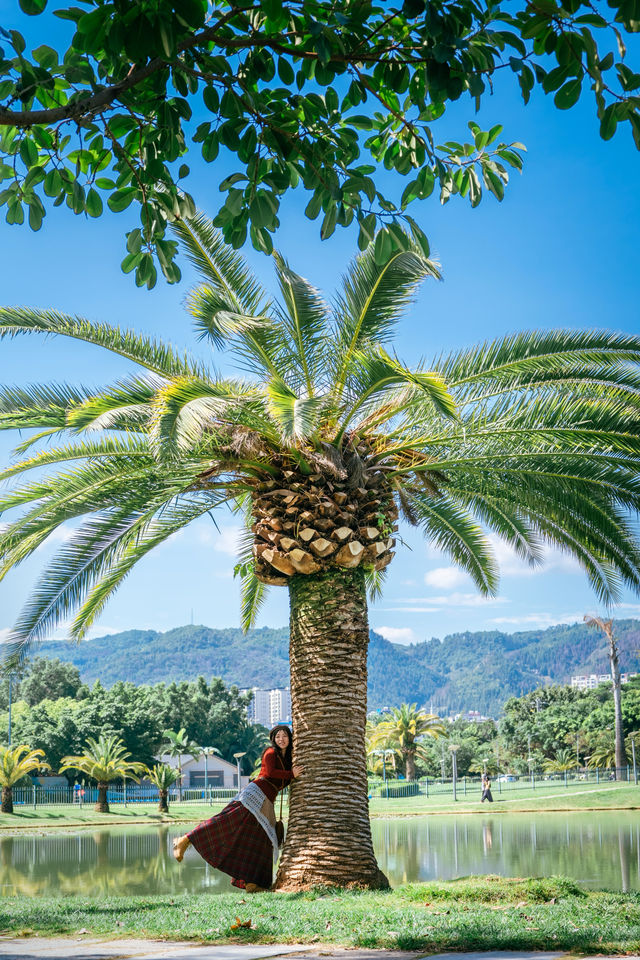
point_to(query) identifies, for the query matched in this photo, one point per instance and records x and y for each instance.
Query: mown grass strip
(475, 913)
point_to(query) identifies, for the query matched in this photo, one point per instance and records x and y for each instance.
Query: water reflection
(599, 849)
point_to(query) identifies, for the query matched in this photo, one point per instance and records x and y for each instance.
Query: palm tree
(163, 777)
(606, 626)
(16, 763)
(402, 732)
(104, 760)
(178, 744)
(565, 759)
(532, 438)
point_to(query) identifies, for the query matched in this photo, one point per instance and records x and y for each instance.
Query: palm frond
(536, 352)
(305, 320)
(147, 352)
(188, 408)
(297, 418)
(125, 405)
(455, 532)
(373, 298)
(223, 267)
(38, 405)
(374, 375)
(171, 519)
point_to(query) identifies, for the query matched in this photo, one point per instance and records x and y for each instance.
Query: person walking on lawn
(241, 840)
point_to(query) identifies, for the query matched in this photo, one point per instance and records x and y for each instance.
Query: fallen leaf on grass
(241, 923)
(327, 925)
(84, 930)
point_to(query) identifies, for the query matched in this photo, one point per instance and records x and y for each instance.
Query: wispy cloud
(537, 619)
(226, 540)
(60, 535)
(397, 634)
(509, 564)
(445, 578)
(455, 599)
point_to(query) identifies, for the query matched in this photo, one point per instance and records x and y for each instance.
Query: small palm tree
(104, 760)
(327, 436)
(163, 777)
(178, 745)
(565, 759)
(403, 731)
(16, 763)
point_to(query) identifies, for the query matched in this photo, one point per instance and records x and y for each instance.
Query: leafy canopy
(533, 438)
(288, 93)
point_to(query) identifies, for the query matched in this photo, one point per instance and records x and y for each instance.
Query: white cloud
(627, 608)
(509, 563)
(538, 619)
(397, 634)
(444, 578)
(224, 541)
(453, 600)
(410, 610)
(60, 535)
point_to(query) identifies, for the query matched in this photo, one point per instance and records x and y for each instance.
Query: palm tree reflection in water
(601, 850)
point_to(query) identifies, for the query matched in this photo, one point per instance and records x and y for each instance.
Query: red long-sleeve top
(272, 777)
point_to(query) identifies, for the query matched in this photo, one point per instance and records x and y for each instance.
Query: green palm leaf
(533, 438)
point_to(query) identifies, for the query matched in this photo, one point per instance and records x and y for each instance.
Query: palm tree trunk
(7, 800)
(163, 806)
(410, 766)
(329, 835)
(101, 805)
(614, 663)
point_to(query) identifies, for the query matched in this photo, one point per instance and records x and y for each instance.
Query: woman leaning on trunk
(241, 840)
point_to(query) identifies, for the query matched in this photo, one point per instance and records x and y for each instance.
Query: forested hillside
(470, 671)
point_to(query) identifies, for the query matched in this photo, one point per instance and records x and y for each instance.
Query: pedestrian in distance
(486, 788)
(242, 840)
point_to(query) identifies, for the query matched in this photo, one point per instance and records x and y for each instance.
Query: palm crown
(104, 760)
(321, 440)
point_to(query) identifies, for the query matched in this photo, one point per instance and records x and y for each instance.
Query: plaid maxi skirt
(233, 841)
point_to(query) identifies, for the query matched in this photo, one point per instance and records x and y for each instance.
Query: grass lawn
(552, 796)
(548, 797)
(475, 913)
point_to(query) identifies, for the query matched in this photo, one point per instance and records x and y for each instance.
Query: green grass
(475, 913)
(553, 796)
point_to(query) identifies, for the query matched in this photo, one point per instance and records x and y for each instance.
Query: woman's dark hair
(287, 758)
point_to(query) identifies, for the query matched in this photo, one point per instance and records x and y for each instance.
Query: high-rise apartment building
(280, 706)
(269, 707)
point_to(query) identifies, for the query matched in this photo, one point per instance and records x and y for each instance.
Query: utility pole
(10, 695)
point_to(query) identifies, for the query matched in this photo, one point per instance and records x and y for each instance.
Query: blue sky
(561, 250)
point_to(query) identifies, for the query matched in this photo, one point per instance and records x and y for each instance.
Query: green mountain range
(465, 671)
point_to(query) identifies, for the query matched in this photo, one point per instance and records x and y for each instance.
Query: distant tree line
(55, 712)
(550, 729)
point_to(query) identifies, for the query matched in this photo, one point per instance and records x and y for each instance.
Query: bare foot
(254, 888)
(180, 844)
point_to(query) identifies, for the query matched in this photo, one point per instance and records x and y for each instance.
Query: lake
(601, 850)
